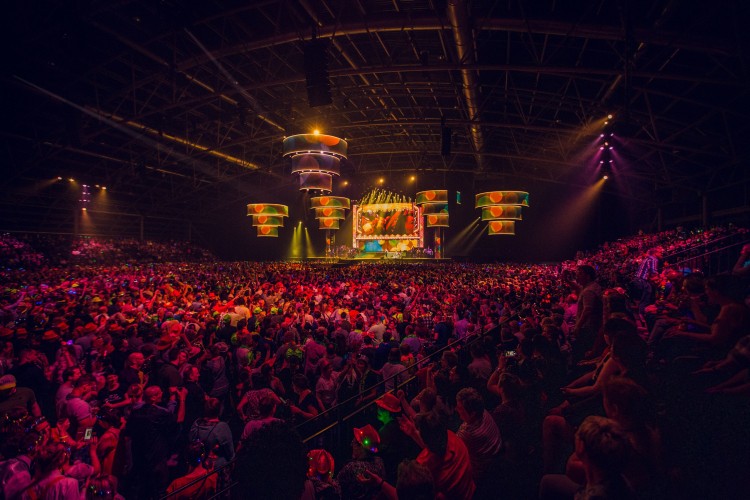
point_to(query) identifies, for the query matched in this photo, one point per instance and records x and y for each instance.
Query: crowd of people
(35, 251)
(450, 380)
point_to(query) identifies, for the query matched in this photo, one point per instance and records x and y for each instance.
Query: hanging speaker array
(502, 209)
(316, 73)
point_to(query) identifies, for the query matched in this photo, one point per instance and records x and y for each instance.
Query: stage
(372, 257)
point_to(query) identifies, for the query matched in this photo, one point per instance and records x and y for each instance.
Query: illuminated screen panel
(315, 180)
(268, 220)
(387, 245)
(435, 208)
(436, 220)
(432, 196)
(501, 212)
(387, 219)
(270, 231)
(328, 223)
(267, 209)
(332, 213)
(330, 201)
(507, 227)
(314, 143)
(316, 163)
(388, 222)
(520, 198)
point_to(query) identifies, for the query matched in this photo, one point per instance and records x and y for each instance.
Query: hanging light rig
(316, 158)
(330, 210)
(434, 205)
(267, 218)
(502, 209)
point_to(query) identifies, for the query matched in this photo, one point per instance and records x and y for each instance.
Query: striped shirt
(647, 268)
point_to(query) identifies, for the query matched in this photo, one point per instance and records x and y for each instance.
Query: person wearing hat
(226, 330)
(320, 475)
(365, 446)
(16, 397)
(49, 344)
(89, 334)
(29, 373)
(395, 446)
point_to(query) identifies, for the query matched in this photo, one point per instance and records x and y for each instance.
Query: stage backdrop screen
(391, 225)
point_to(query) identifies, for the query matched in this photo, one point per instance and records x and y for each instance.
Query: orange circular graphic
(496, 196)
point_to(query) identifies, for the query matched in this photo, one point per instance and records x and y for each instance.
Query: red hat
(320, 463)
(89, 328)
(367, 437)
(49, 335)
(389, 402)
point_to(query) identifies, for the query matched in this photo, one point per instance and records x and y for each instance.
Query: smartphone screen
(87, 435)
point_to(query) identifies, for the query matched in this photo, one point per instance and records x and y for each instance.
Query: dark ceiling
(180, 107)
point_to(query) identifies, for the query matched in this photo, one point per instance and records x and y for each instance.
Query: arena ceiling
(181, 107)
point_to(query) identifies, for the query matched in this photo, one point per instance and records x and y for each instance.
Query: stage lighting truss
(267, 217)
(316, 158)
(501, 209)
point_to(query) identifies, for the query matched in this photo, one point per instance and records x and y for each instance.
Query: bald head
(152, 394)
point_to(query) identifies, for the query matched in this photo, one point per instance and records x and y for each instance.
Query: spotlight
(605, 177)
(413, 178)
(316, 131)
(72, 179)
(104, 188)
(59, 178)
(345, 183)
(609, 117)
(97, 185)
(381, 180)
(84, 209)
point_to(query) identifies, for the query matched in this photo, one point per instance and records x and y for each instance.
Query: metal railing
(710, 257)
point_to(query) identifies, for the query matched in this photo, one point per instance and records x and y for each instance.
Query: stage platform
(370, 258)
